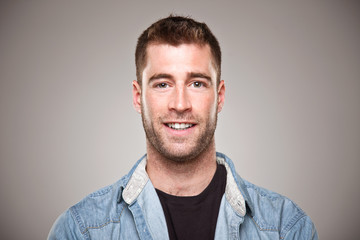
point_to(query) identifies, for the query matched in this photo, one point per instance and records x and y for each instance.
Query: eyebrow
(159, 76)
(200, 75)
(190, 75)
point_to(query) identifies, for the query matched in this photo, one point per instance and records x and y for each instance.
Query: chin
(179, 156)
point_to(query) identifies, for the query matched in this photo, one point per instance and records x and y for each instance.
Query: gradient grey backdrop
(291, 120)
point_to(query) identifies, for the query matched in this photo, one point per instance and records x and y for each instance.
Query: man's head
(179, 93)
(176, 30)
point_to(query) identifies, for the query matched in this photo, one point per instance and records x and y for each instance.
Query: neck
(188, 178)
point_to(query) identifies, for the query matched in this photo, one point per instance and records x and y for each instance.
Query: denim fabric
(130, 209)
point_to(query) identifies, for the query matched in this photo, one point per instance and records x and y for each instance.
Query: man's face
(179, 100)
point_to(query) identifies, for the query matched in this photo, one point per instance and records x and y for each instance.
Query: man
(182, 188)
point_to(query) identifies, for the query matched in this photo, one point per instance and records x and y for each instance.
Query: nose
(180, 100)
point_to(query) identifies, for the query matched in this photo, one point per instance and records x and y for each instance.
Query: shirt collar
(235, 191)
(137, 181)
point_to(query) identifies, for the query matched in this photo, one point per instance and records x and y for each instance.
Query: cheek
(207, 105)
(151, 105)
(144, 107)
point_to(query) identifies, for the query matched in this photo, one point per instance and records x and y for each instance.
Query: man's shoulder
(275, 212)
(271, 201)
(100, 205)
(96, 210)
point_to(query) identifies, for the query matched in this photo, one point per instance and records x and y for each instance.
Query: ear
(221, 95)
(136, 96)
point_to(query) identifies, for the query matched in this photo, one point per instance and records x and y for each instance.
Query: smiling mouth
(179, 126)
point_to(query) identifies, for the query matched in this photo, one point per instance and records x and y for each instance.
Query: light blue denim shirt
(130, 209)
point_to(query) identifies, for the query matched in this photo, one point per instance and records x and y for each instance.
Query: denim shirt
(131, 209)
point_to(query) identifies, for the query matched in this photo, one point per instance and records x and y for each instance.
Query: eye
(197, 84)
(162, 85)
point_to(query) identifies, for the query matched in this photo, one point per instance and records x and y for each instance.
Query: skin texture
(179, 86)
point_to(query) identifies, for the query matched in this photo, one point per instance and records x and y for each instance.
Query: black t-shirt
(194, 217)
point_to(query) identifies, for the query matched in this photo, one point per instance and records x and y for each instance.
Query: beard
(179, 149)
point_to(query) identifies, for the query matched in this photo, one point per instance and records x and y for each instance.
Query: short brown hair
(176, 30)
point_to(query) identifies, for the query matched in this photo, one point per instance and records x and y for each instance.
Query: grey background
(290, 122)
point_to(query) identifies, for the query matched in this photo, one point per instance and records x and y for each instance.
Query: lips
(179, 126)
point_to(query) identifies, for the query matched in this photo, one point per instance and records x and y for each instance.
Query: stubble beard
(172, 153)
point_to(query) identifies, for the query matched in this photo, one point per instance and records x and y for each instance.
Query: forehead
(192, 57)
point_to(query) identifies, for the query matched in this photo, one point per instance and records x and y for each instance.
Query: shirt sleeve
(304, 229)
(65, 228)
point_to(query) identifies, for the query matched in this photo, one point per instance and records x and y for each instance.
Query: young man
(182, 188)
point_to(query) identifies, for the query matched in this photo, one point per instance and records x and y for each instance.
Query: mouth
(179, 126)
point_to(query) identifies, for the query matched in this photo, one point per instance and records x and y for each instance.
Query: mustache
(184, 116)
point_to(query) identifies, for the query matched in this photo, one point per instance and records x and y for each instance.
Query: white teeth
(179, 126)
